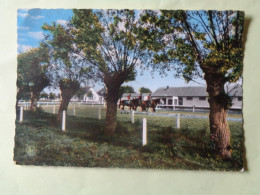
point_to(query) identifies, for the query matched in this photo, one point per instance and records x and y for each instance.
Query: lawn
(39, 141)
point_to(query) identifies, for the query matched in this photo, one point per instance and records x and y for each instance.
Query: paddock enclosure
(160, 143)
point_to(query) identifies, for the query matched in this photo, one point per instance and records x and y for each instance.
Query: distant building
(188, 97)
(95, 98)
(194, 96)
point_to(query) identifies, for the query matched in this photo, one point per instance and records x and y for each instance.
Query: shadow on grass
(167, 146)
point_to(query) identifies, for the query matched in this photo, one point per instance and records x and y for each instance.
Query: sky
(30, 34)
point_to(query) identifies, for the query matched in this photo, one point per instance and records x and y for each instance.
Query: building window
(180, 101)
(239, 98)
(189, 98)
(202, 98)
(164, 100)
(169, 101)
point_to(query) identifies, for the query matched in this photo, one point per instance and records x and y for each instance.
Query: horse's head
(155, 101)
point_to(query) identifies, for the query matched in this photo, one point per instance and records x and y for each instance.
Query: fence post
(74, 111)
(63, 120)
(193, 108)
(144, 131)
(21, 114)
(133, 116)
(178, 122)
(99, 113)
(53, 110)
(174, 108)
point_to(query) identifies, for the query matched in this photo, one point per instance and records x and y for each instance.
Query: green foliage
(125, 89)
(89, 94)
(108, 40)
(67, 63)
(32, 71)
(69, 84)
(44, 95)
(210, 41)
(144, 90)
(80, 93)
(52, 96)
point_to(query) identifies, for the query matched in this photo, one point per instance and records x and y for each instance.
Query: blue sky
(30, 33)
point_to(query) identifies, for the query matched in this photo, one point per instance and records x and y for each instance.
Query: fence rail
(58, 103)
(176, 115)
(192, 108)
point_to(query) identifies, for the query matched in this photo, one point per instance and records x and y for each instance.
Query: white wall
(236, 103)
(95, 96)
(195, 101)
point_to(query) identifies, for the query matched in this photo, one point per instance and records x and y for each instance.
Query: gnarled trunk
(34, 98)
(66, 95)
(219, 103)
(111, 112)
(113, 83)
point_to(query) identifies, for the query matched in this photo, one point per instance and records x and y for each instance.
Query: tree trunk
(66, 95)
(113, 83)
(111, 112)
(34, 98)
(219, 104)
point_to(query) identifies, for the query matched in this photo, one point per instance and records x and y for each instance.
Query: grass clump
(39, 141)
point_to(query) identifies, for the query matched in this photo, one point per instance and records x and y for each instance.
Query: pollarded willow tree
(32, 74)
(203, 43)
(67, 69)
(107, 40)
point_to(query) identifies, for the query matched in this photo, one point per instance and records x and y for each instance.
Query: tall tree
(203, 43)
(52, 96)
(44, 95)
(67, 70)
(125, 89)
(145, 90)
(108, 40)
(32, 73)
(80, 93)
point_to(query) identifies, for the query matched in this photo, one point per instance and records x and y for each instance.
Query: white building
(181, 97)
(90, 96)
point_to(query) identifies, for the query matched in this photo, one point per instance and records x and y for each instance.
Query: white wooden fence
(132, 118)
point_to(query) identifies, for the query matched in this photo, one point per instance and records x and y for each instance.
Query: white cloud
(23, 27)
(23, 48)
(62, 22)
(36, 35)
(36, 17)
(25, 13)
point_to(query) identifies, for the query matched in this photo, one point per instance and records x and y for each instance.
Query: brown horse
(150, 104)
(135, 103)
(124, 103)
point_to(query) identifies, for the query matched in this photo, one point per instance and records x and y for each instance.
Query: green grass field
(39, 141)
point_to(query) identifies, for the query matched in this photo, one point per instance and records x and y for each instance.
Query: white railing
(193, 108)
